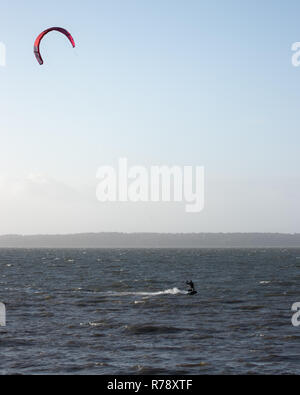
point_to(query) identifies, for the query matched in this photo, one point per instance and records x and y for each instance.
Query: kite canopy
(41, 36)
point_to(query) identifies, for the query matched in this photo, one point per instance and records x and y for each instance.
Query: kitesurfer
(192, 290)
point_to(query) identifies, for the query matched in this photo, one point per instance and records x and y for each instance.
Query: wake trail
(171, 291)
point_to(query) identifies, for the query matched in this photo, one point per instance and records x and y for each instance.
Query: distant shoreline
(152, 240)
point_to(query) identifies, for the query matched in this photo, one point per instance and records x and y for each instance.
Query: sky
(160, 82)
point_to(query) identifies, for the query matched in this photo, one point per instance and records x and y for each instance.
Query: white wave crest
(171, 291)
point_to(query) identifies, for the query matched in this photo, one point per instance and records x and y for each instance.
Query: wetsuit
(192, 287)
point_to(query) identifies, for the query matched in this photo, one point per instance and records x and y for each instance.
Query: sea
(127, 311)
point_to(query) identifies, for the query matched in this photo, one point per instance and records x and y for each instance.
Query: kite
(42, 35)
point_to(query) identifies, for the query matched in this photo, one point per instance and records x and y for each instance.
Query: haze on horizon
(162, 83)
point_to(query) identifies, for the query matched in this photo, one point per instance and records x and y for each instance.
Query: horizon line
(148, 233)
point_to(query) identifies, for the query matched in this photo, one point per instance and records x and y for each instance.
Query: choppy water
(127, 312)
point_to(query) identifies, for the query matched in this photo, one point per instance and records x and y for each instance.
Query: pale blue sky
(161, 82)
